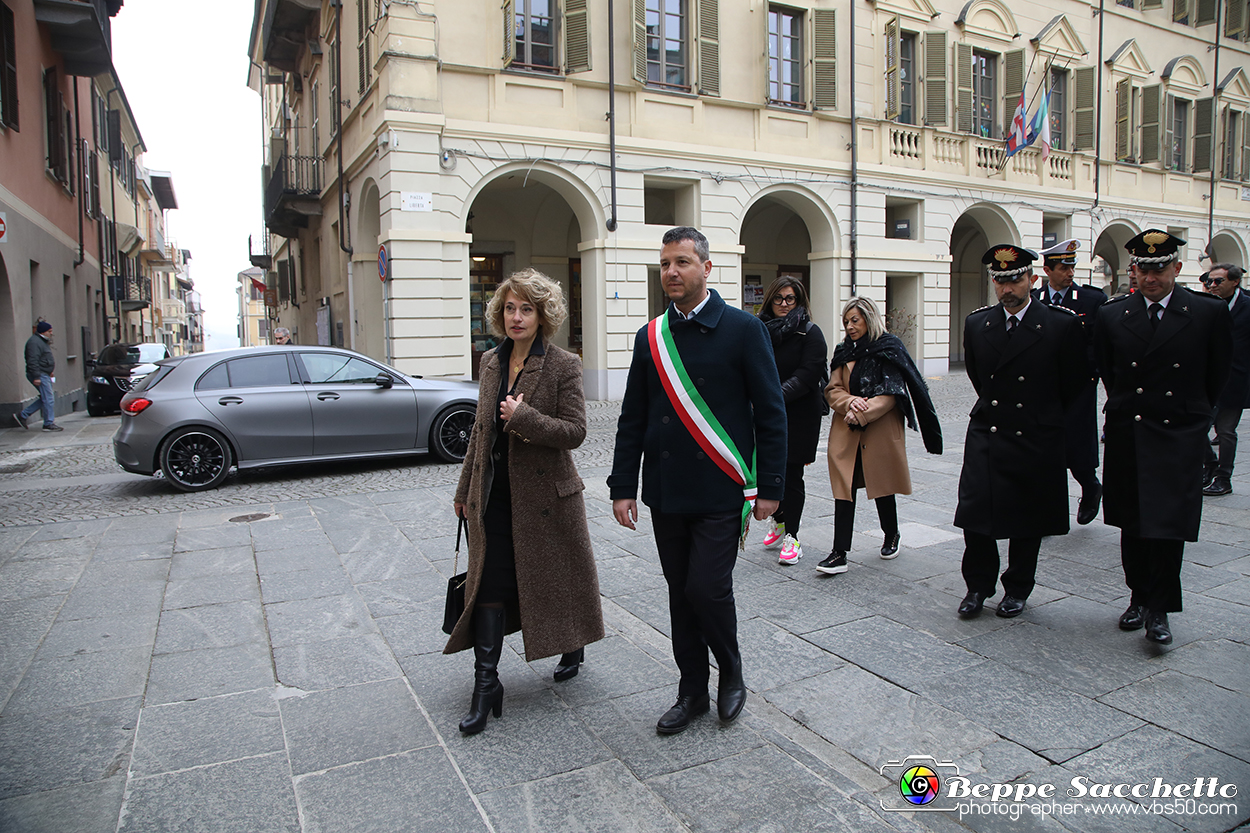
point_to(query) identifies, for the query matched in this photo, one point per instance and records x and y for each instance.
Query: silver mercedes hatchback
(196, 416)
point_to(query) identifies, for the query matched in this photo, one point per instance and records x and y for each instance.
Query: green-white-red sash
(698, 417)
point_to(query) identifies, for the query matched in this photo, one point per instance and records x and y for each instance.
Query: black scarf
(884, 367)
(779, 328)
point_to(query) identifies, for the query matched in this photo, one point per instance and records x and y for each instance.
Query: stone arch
(980, 226)
(1227, 247)
(1109, 245)
(787, 225)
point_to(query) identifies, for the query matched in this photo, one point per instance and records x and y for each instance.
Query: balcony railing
(943, 152)
(292, 194)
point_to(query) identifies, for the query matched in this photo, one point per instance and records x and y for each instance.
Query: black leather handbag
(454, 608)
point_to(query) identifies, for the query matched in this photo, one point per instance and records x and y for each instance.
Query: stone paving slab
(267, 656)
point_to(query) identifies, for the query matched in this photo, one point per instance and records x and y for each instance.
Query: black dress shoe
(569, 665)
(676, 719)
(1010, 607)
(890, 548)
(1218, 486)
(1133, 618)
(1157, 629)
(731, 696)
(1087, 508)
(971, 605)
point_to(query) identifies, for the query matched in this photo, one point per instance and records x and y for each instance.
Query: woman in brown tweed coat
(531, 567)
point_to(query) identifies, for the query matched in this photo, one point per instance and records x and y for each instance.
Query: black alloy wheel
(195, 459)
(449, 436)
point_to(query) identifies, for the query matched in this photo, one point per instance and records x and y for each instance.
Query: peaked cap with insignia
(1154, 248)
(1062, 252)
(1006, 262)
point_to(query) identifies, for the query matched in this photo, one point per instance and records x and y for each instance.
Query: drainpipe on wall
(82, 251)
(1215, 109)
(854, 168)
(611, 224)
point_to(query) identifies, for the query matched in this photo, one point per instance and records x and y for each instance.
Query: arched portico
(981, 226)
(1226, 247)
(1110, 247)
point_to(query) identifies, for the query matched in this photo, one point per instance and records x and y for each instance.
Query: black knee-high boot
(487, 690)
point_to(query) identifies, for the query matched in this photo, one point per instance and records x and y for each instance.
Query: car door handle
(327, 395)
(230, 400)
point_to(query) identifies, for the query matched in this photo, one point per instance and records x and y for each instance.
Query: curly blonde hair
(535, 288)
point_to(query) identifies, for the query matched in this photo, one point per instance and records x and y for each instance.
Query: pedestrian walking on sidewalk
(531, 566)
(799, 351)
(874, 390)
(1027, 361)
(703, 404)
(40, 364)
(1164, 355)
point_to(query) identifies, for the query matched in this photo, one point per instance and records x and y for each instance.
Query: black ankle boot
(569, 665)
(487, 690)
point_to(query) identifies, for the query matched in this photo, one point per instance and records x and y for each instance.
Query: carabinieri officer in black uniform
(1164, 353)
(1027, 362)
(1081, 420)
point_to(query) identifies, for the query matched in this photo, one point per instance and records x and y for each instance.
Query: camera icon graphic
(919, 779)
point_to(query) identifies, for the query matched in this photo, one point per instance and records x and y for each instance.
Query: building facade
(418, 153)
(254, 329)
(83, 222)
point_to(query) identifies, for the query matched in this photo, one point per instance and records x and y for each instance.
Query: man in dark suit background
(1081, 429)
(1164, 353)
(1027, 362)
(697, 507)
(1224, 281)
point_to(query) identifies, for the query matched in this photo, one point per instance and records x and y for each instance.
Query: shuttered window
(1058, 108)
(1235, 18)
(825, 58)
(907, 107)
(1083, 105)
(935, 94)
(1204, 134)
(55, 120)
(1151, 4)
(1177, 136)
(963, 87)
(709, 47)
(534, 30)
(8, 69)
(661, 53)
(1123, 114)
(1245, 147)
(893, 86)
(1151, 122)
(1180, 12)
(576, 36)
(1013, 83)
(1232, 142)
(1204, 12)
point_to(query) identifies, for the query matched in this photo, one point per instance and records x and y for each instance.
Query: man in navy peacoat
(1224, 281)
(696, 506)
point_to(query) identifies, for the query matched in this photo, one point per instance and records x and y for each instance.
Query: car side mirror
(384, 380)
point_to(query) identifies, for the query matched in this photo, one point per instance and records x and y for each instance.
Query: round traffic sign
(383, 263)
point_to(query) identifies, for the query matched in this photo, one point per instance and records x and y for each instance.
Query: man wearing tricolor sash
(704, 417)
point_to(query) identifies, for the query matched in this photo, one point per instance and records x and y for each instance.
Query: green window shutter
(576, 36)
(640, 41)
(1123, 106)
(825, 58)
(1152, 4)
(1204, 134)
(1167, 113)
(1151, 122)
(1245, 146)
(8, 68)
(709, 47)
(1083, 84)
(1013, 83)
(509, 32)
(935, 94)
(892, 83)
(1205, 12)
(963, 87)
(1234, 18)
(1180, 11)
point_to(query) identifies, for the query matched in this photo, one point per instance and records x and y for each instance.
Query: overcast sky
(184, 68)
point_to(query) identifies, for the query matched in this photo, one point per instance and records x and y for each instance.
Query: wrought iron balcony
(293, 194)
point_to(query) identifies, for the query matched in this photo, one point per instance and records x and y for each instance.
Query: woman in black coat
(799, 348)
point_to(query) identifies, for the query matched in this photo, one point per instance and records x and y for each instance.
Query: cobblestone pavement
(267, 657)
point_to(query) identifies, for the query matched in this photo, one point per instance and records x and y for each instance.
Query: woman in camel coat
(873, 384)
(531, 567)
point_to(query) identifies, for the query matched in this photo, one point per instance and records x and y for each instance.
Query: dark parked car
(196, 416)
(117, 369)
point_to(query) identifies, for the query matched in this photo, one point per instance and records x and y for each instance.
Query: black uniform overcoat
(1081, 428)
(1161, 387)
(1014, 482)
(1236, 393)
(801, 357)
(728, 354)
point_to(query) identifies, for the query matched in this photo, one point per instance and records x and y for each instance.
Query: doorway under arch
(978, 228)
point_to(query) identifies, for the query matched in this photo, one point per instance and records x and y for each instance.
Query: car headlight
(99, 380)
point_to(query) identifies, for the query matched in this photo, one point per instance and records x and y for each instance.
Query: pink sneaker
(776, 531)
(791, 550)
